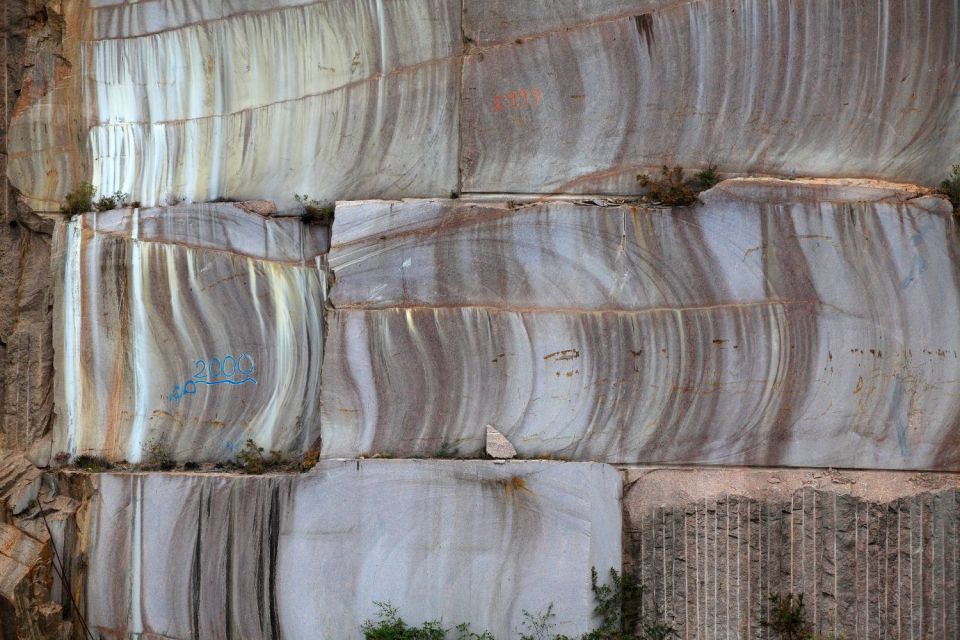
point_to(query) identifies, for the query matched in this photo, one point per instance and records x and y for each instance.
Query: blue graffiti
(214, 371)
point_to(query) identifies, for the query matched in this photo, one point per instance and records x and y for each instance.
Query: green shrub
(158, 455)
(315, 211)
(93, 464)
(116, 201)
(617, 605)
(788, 618)
(251, 460)
(389, 626)
(951, 186)
(80, 200)
(673, 190)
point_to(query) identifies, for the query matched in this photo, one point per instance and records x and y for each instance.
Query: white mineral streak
(332, 99)
(255, 557)
(172, 335)
(781, 323)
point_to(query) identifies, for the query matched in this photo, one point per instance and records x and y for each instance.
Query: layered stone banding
(564, 97)
(200, 325)
(781, 323)
(307, 556)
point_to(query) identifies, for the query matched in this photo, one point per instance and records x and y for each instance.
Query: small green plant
(390, 626)
(158, 455)
(464, 633)
(706, 179)
(315, 211)
(446, 450)
(788, 618)
(540, 626)
(673, 190)
(251, 459)
(951, 186)
(80, 200)
(116, 201)
(93, 464)
(619, 608)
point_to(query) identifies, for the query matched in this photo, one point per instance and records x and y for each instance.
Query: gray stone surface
(306, 556)
(361, 99)
(800, 323)
(250, 100)
(498, 446)
(578, 96)
(198, 324)
(876, 555)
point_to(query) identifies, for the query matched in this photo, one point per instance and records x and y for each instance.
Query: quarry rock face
(492, 285)
(421, 98)
(297, 557)
(199, 324)
(781, 323)
(576, 96)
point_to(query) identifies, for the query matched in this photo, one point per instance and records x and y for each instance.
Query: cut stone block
(799, 323)
(201, 325)
(305, 556)
(580, 95)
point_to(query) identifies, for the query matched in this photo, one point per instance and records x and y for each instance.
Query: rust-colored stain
(515, 484)
(566, 354)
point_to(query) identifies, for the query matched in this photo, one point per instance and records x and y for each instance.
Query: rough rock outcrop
(782, 323)
(31, 62)
(875, 554)
(198, 324)
(217, 556)
(34, 604)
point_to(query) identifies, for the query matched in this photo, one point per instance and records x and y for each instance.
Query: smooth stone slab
(219, 226)
(249, 99)
(583, 96)
(770, 326)
(306, 556)
(179, 335)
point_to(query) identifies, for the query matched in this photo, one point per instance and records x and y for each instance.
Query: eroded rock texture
(876, 555)
(30, 63)
(305, 556)
(782, 323)
(198, 324)
(34, 603)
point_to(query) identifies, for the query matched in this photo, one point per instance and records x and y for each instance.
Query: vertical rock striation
(199, 324)
(213, 556)
(876, 555)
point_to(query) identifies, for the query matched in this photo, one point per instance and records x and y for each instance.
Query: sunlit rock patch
(201, 325)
